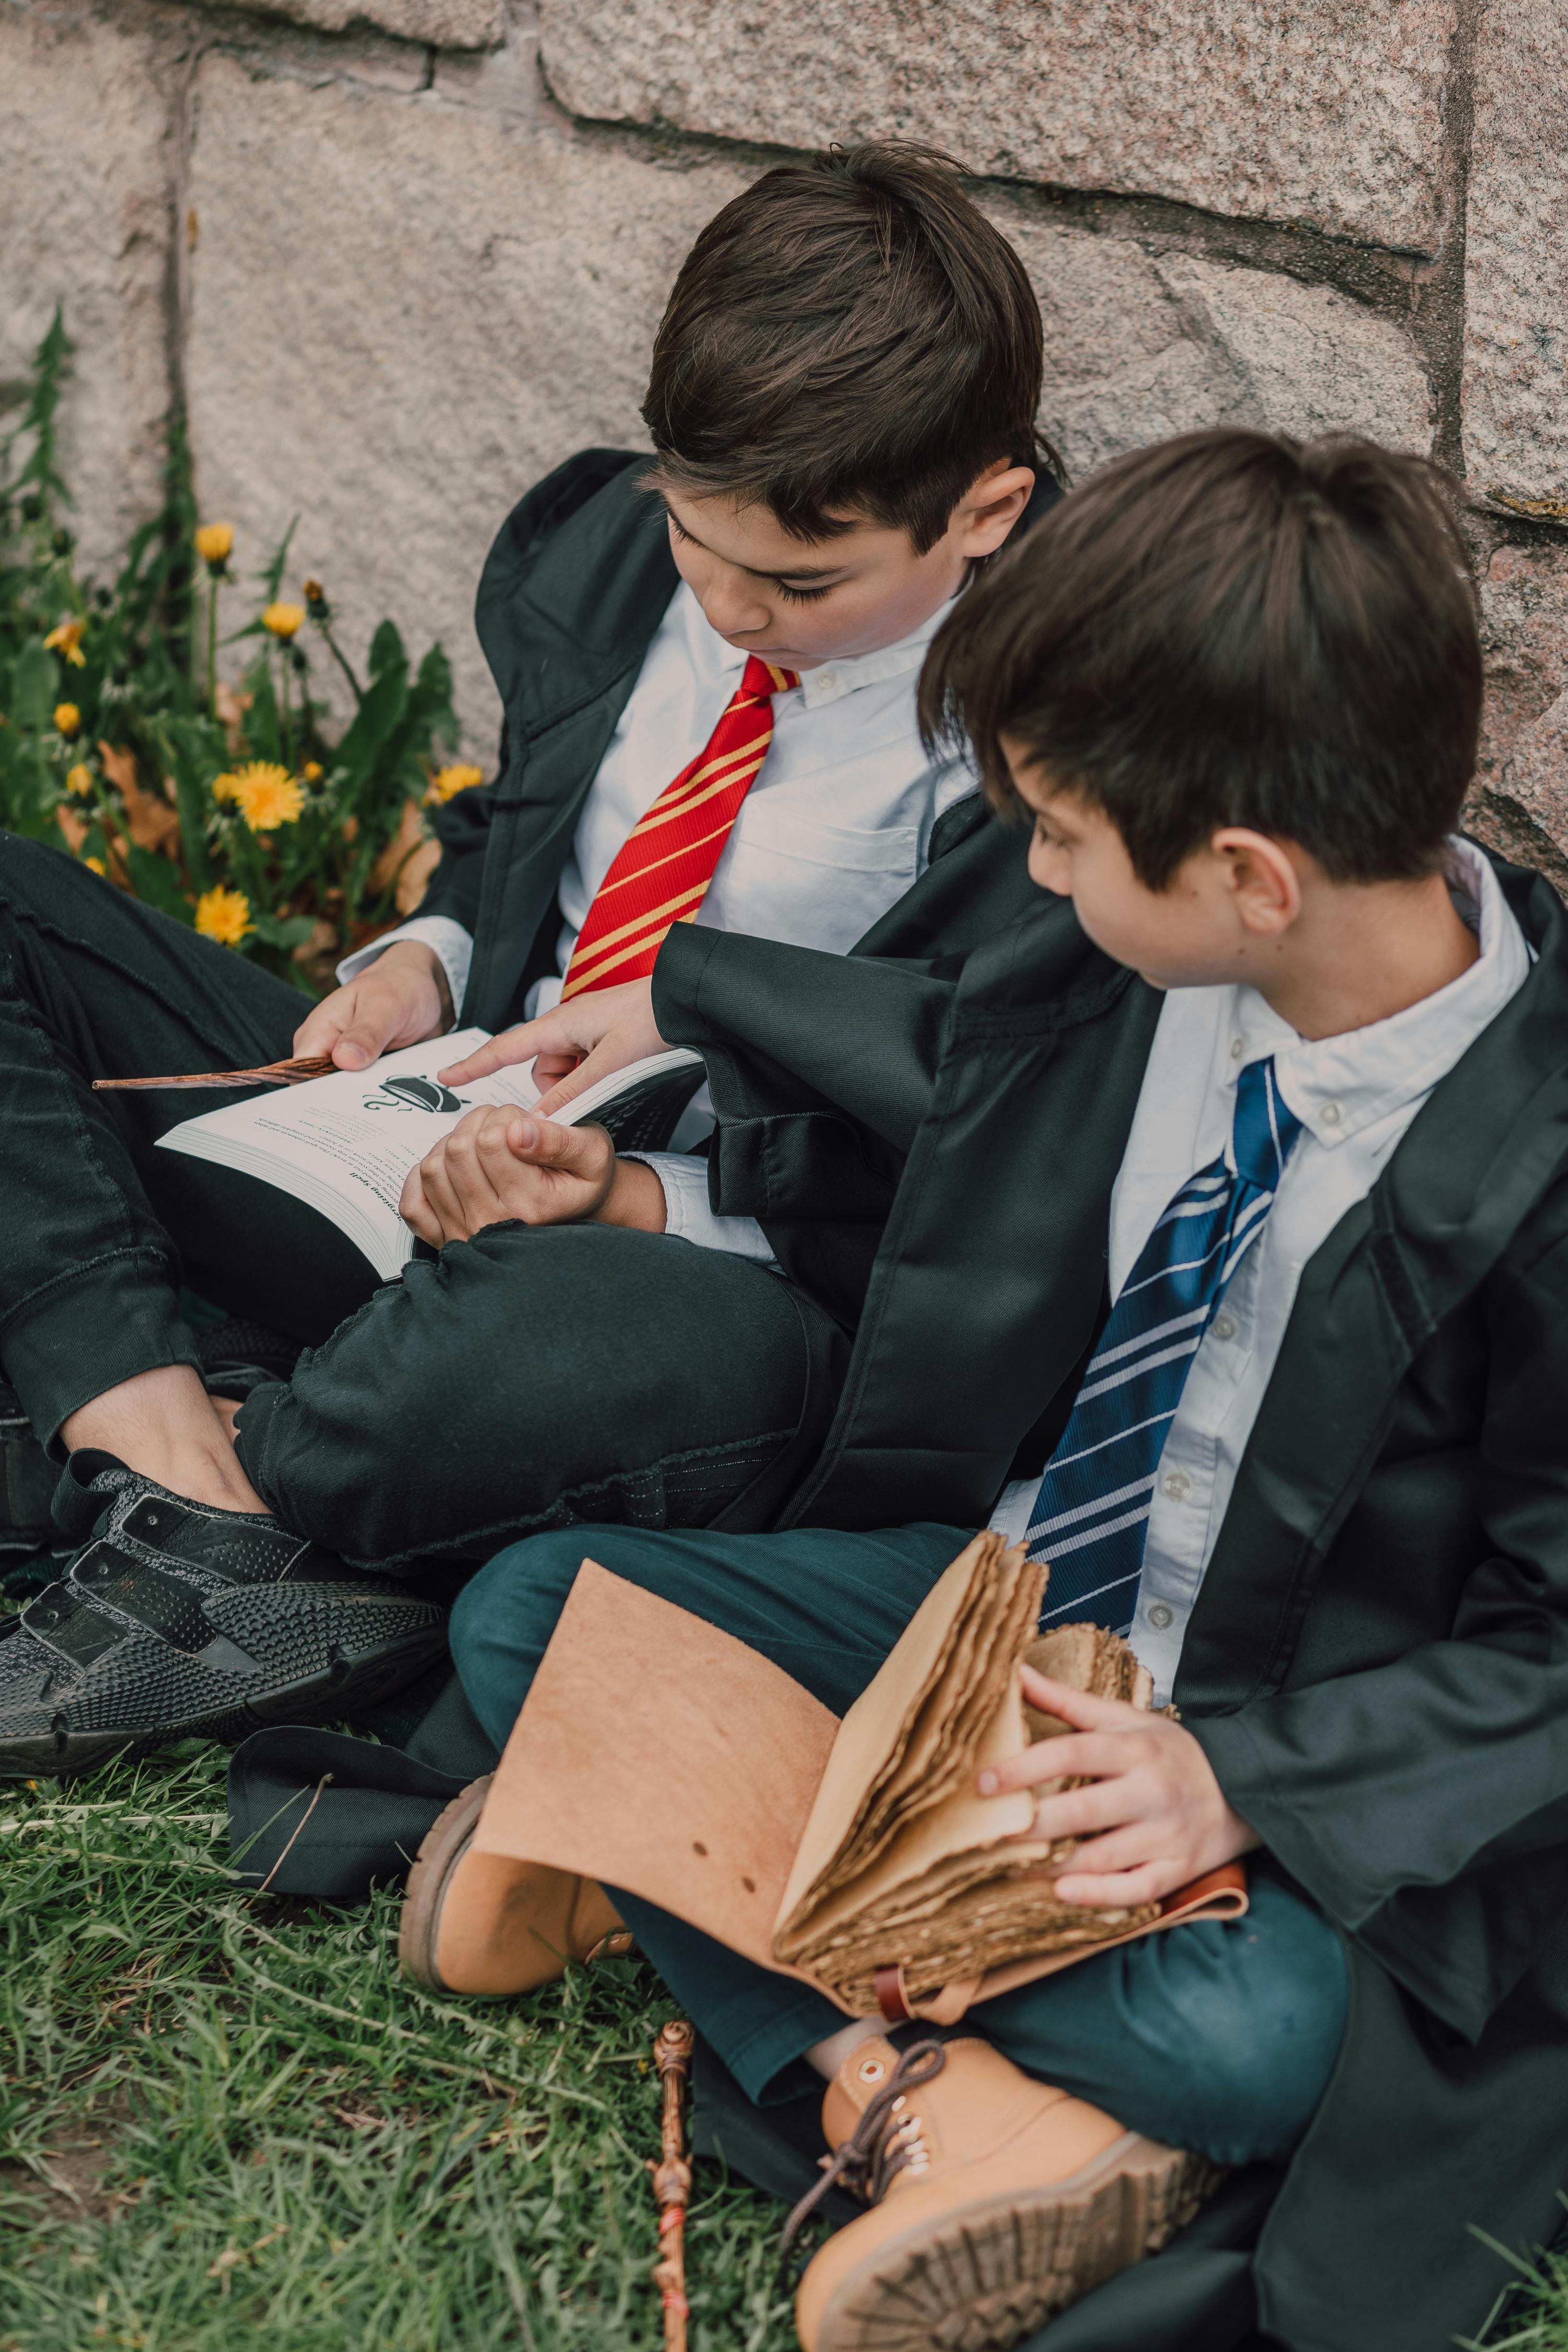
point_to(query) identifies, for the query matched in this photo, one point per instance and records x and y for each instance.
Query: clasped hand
(500, 1163)
(1153, 1816)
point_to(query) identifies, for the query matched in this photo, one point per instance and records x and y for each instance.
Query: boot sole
(982, 2276)
(61, 1755)
(525, 1921)
(441, 1848)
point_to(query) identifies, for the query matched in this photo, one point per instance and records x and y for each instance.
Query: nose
(731, 604)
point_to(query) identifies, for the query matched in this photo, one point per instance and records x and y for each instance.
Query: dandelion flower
(223, 915)
(80, 780)
(66, 641)
(67, 718)
(284, 620)
(265, 795)
(448, 781)
(215, 544)
(314, 592)
(97, 865)
(313, 772)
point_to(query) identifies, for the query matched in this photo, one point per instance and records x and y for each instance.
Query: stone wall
(393, 258)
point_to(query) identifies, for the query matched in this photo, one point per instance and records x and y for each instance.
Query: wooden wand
(672, 2180)
(272, 1074)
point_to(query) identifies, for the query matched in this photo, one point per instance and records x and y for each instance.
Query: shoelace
(877, 2149)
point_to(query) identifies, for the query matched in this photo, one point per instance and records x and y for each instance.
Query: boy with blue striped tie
(1238, 1213)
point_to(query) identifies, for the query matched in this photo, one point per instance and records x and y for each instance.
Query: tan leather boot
(995, 2201)
(480, 1923)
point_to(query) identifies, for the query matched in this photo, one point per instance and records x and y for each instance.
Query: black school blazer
(1378, 1661)
(572, 593)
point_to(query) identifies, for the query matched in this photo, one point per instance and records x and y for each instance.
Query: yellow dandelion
(78, 780)
(448, 781)
(223, 915)
(97, 865)
(284, 620)
(265, 795)
(66, 641)
(214, 543)
(67, 718)
(313, 772)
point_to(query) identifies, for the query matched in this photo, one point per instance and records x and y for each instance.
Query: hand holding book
(1149, 1815)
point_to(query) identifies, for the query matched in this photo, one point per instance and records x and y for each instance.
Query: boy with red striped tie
(708, 671)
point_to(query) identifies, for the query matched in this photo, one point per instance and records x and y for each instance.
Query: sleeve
(451, 944)
(821, 1068)
(689, 1216)
(1424, 1803)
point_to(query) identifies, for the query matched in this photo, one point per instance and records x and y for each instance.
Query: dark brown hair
(1233, 629)
(850, 337)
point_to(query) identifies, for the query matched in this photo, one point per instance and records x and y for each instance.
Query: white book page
(346, 1144)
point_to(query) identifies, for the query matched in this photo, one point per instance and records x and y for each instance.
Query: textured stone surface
(1524, 633)
(442, 23)
(1318, 111)
(402, 313)
(1142, 345)
(85, 213)
(1516, 261)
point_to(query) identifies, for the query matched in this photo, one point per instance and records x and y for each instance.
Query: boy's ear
(990, 507)
(1262, 876)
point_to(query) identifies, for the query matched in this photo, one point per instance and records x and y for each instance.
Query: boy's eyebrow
(781, 572)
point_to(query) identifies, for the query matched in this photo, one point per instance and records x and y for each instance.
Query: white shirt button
(1160, 1616)
(1177, 1484)
(1329, 1114)
(1238, 1047)
(1224, 1326)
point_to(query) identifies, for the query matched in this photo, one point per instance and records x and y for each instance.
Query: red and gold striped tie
(661, 873)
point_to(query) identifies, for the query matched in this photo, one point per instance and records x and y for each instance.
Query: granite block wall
(393, 258)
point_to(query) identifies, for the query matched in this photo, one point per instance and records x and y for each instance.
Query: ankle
(162, 1425)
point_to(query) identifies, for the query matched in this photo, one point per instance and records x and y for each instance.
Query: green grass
(225, 2117)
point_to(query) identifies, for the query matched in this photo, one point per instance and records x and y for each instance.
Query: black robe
(1377, 1663)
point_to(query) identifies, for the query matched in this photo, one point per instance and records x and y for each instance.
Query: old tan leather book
(658, 1755)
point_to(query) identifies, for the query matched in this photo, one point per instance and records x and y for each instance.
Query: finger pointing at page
(570, 1031)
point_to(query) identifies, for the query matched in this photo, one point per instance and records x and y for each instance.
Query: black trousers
(528, 1379)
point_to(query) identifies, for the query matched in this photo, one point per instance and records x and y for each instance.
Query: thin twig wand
(672, 2180)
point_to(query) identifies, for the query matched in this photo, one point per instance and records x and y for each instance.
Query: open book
(656, 1754)
(346, 1144)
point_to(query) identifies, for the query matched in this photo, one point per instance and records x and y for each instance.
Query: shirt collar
(1339, 1085)
(834, 678)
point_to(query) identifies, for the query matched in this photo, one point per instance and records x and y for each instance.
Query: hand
(574, 1045)
(400, 1000)
(1153, 1816)
(499, 1163)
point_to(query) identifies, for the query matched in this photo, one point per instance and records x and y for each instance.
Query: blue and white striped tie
(1091, 1515)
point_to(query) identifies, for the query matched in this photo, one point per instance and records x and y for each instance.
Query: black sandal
(176, 1620)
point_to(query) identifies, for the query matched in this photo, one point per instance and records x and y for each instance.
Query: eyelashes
(781, 587)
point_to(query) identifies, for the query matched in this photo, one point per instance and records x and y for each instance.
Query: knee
(502, 1621)
(1264, 2035)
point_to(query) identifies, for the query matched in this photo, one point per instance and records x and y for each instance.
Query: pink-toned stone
(87, 168)
(402, 311)
(1325, 111)
(1516, 261)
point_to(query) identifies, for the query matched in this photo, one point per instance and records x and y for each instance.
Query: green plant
(236, 806)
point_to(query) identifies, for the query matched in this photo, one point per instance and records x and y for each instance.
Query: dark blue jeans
(1218, 2038)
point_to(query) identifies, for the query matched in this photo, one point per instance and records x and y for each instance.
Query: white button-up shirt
(833, 831)
(1355, 1096)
